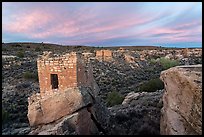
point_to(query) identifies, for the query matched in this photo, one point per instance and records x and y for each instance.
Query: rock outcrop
(77, 123)
(182, 101)
(68, 113)
(139, 114)
(43, 110)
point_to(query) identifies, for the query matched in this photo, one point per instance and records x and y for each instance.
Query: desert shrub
(114, 82)
(153, 61)
(4, 49)
(20, 54)
(37, 49)
(5, 115)
(168, 63)
(47, 47)
(29, 75)
(21, 49)
(16, 45)
(152, 85)
(36, 76)
(155, 56)
(27, 46)
(165, 62)
(114, 98)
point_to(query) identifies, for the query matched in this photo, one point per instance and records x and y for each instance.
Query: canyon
(39, 79)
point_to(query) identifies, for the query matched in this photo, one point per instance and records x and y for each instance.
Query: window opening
(54, 81)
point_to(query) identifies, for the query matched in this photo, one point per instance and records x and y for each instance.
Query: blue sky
(174, 24)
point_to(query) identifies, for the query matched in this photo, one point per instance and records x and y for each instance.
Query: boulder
(74, 111)
(77, 123)
(42, 110)
(182, 101)
(130, 96)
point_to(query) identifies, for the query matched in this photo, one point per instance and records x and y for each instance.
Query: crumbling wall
(71, 69)
(129, 58)
(104, 55)
(142, 55)
(185, 52)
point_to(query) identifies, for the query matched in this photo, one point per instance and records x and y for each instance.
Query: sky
(168, 24)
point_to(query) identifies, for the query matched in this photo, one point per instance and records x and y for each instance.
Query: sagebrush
(152, 85)
(114, 98)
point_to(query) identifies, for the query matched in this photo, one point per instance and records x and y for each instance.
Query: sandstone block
(57, 105)
(182, 109)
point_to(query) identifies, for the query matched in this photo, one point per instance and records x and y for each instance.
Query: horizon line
(153, 45)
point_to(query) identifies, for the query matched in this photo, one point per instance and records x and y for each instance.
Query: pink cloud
(28, 22)
(176, 33)
(87, 24)
(67, 25)
(72, 25)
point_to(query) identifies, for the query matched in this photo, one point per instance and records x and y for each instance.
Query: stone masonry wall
(104, 55)
(70, 68)
(64, 67)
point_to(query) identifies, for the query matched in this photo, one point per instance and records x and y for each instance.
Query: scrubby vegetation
(153, 61)
(4, 49)
(4, 115)
(16, 45)
(152, 85)
(114, 98)
(20, 54)
(37, 49)
(165, 62)
(29, 75)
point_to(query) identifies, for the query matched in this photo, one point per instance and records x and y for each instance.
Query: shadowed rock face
(182, 101)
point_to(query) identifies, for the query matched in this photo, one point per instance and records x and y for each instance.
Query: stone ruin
(59, 73)
(104, 55)
(129, 58)
(68, 97)
(121, 50)
(142, 55)
(185, 52)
